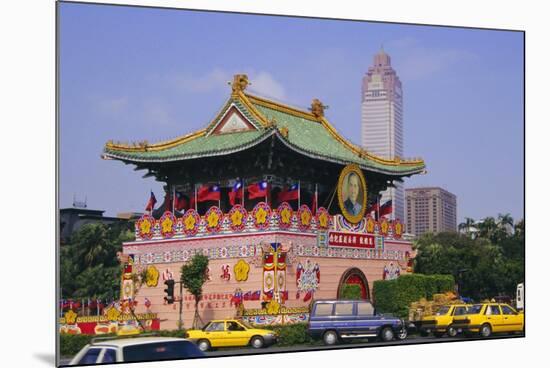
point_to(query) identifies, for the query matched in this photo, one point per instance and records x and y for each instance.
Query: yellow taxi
(441, 322)
(231, 332)
(488, 318)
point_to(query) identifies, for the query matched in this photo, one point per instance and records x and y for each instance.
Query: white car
(136, 349)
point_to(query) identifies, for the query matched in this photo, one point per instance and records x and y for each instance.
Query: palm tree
(505, 224)
(487, 227)
(467, 225)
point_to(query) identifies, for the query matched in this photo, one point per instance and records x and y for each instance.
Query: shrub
(294, 334)
(351, 291)
(395, 296)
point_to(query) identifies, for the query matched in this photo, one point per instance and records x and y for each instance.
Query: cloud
(217, 80)
(266, 85)
(417, 61)
(213, 80)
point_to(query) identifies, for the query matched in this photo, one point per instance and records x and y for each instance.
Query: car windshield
(442, 310)
(161, 350)
(475, 309)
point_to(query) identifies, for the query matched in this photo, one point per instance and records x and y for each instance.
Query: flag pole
(316, 199)
(220, 197)
(195, 185)
(173, 199)
(242, 197)
(150, 208)
(299, 194)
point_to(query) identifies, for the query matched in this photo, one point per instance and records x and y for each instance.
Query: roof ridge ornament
(317, 108)
(240, 82)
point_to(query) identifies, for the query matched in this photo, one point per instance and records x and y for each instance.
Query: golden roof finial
(317, 108)
(240, 82)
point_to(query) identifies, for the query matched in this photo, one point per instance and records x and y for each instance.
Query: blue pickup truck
(338, 320)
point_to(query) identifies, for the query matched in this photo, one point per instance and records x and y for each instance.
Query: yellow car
(441, 322)
(488, 318)
(231, 332)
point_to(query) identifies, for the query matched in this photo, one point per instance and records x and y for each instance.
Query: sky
(133, 74)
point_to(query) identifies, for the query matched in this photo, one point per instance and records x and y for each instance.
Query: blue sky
(135, 73)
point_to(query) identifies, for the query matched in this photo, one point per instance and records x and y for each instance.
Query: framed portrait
(352, 193)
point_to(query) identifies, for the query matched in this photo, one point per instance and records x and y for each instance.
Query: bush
(70, 345)
(395, 296)
(351, 291)
(295, 334)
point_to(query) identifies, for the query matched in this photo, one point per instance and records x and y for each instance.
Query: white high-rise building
(382, 121)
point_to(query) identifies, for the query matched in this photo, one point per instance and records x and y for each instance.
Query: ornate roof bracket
(239, 84)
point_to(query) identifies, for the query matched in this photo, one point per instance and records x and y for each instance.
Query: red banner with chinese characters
(341, 239)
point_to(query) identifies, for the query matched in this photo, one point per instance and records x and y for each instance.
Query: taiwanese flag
(289, 194)
(151, 203)
(386, 208)
(208, 193)
(236, 192)
(167, 202)
(256, 295)
(180, 202)
(247, 295)
(372, 207)
(257, 190)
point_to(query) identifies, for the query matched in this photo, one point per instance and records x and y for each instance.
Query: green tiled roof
(299, 130)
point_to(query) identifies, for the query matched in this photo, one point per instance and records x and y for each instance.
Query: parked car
(137, 349)
(337, 320)
(488, 318)
(441, 322)
(230, 332)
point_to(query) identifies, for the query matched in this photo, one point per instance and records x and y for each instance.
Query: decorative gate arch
(354, 276)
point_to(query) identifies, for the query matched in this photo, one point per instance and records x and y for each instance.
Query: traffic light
(169, 298)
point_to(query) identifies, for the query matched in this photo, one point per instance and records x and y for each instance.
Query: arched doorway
(354, 276)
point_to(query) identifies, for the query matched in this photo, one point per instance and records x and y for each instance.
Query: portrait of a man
(352, 193)
(352, 204)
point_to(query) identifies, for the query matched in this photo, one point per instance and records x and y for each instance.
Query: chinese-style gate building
(261, 249)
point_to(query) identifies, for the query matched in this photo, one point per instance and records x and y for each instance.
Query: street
(414, 339)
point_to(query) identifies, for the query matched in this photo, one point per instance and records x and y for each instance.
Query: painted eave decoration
(246, 121)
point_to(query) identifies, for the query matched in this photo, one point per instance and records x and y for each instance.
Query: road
(414, 339)
(358, 344)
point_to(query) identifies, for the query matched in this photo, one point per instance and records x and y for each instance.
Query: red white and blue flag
(257, 190)
(180, 201)
(289, 194)
(386, 208)
(208, 193)
(236, 192)
(151, 203)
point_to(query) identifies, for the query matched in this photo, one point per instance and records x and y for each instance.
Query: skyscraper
(382, 121)
(430, 210)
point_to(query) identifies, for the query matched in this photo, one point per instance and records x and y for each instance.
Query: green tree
(88, 262)
(193, 276)
(484, 267)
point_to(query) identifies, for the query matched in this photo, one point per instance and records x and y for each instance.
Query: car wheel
(485, 330)
(204, 345)
(403, 334)
(387, 334)
(451, 331)
(330, 338)
(257, 342)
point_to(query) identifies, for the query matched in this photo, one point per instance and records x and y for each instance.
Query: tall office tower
(382, 121)
(430, 210)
